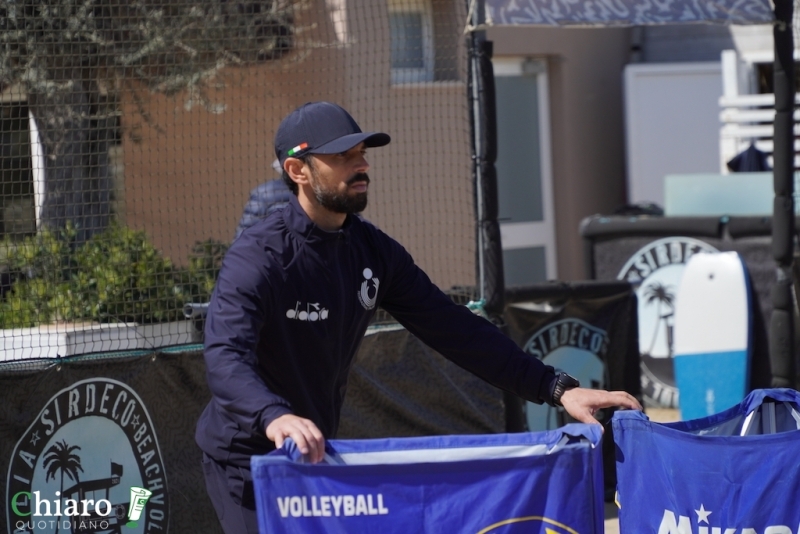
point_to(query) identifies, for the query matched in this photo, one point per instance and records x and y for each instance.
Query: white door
(524, 171)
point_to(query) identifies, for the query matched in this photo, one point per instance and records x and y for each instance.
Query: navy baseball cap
(321, 128)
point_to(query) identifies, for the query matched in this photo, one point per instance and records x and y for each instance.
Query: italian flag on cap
(298, 148)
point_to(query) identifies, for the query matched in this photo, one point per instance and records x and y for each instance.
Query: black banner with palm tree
(586, 329)
(84, 441)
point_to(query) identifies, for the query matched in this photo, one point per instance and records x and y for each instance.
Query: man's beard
(341, 202)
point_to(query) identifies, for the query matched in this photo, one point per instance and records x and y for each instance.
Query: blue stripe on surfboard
(709, 383)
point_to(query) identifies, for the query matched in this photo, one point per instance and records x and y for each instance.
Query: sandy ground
(659, 415)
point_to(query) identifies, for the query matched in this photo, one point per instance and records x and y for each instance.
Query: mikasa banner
(104, 445)
(546, 482)
(736, 472)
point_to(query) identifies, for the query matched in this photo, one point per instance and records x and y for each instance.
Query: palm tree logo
(662, 295)
(60, 458)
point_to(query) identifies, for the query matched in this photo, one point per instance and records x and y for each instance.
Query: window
(17, 214)
(764, 74)
(411, 31)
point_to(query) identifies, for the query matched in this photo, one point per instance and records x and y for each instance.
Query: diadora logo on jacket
(311, 311)
(364, 293)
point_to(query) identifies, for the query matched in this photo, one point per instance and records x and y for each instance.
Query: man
(294, 298)
(264, 199)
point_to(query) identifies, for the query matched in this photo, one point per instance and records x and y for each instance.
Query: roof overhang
(604, 13)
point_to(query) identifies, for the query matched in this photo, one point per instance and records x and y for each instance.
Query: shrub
(205, 261)
(116, 276)
(121, 277)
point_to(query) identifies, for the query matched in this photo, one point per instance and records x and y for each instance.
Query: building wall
(586, 104)
(188, 171)
(422, 191)
(673, 43)
(183, 186)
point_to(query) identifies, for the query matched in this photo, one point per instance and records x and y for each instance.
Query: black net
(138, 135)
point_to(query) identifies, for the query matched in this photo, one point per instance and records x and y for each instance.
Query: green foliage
(45, 255)
(205, 261)
(171, 45)
(121, 277)
(116, 276)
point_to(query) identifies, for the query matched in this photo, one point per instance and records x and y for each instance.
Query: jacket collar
(299, 223)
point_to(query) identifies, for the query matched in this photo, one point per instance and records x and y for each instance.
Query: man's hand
(583, 403)
(306, 435)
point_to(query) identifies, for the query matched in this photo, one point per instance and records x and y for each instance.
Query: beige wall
(586, 114)
(422, 190)
(188, 173)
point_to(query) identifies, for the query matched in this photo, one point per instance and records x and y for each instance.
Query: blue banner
(504, 483)
(736, 472)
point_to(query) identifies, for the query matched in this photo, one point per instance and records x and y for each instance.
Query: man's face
(340, 181)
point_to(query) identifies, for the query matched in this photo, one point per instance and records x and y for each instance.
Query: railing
(749, 119)
(748, 116)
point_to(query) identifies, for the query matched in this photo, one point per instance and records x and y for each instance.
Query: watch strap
(564, 382)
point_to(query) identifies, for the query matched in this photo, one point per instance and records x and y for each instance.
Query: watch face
(568, 381)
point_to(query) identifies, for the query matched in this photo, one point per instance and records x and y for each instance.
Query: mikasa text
(682, 525)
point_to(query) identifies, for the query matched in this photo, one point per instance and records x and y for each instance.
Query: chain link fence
(134, 133)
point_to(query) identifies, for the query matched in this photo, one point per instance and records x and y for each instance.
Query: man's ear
(295, 168)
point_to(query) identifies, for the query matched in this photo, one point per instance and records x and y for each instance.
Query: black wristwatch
(564, 382)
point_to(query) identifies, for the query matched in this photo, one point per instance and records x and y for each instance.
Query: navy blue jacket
(289, 311)
(264, 199)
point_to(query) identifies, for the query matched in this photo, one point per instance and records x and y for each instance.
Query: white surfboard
(713, 334)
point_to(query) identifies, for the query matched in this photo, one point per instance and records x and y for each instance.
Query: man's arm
(461, 336)
(235, 317)
(480, 347)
